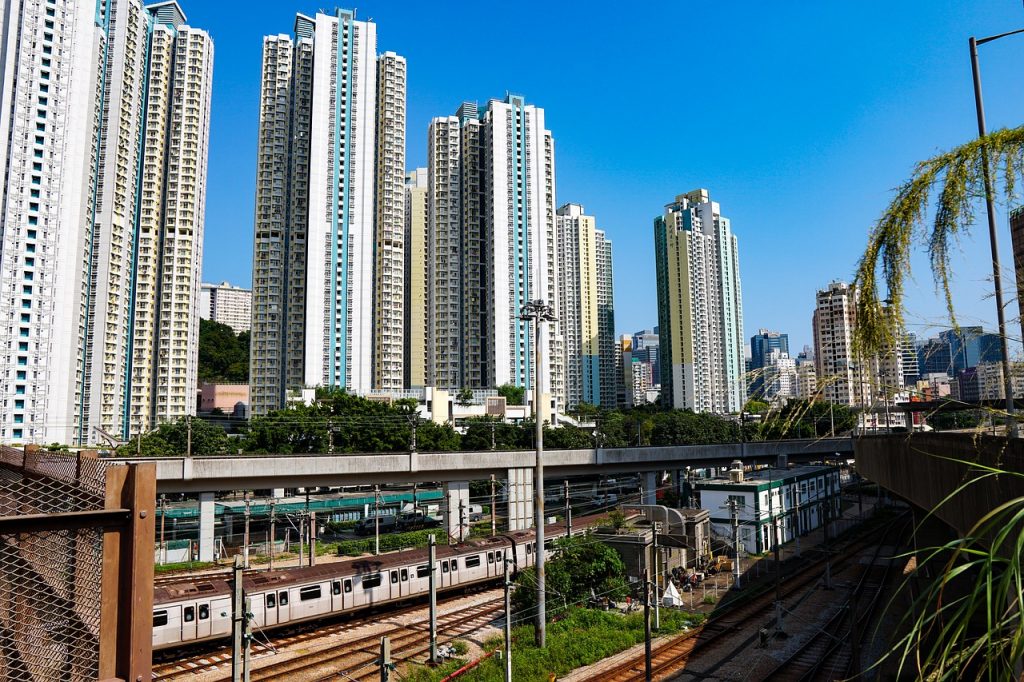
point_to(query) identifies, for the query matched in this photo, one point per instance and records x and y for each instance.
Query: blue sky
(800, 118)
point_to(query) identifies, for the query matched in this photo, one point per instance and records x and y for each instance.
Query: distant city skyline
(853, 118)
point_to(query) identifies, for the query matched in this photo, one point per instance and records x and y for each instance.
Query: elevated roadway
(927, 468)
(248, 472)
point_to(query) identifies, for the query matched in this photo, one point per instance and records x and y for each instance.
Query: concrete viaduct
(205, 475)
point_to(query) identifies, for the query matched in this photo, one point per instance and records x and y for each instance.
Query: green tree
(807, 419)
(756, 406)
(172, 438)
(956, 180)
(464, 397)
(580, 567)
(612, 430)
(514, 395)
(683, 427)
(223, 355)
(506, 436)
(431, 437)
(567, 437)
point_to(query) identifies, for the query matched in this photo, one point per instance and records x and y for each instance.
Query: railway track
(356, 660)
(673, 655)
(828, 653)
(208, 661)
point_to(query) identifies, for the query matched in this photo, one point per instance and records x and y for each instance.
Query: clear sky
(799, 117)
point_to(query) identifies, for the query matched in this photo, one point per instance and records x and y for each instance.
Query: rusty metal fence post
(76, 566)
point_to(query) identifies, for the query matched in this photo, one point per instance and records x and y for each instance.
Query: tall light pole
(538, 312)
(997, 280)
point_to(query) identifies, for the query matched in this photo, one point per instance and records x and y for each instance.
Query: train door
(404, 575)
(188, 623)
(446, 578)
(454, 565)
(337, 601)
(270, 608)
(220, 616)
(203, 620)
(396, 584)
(347, 595)
(283, 607)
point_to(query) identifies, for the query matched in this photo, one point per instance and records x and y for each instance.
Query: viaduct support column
(649, 480)
(456, 510)
(520, 498)
(207, 515)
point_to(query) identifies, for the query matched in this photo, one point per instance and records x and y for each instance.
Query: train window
(271, 600)
(497, 556)
(472, 561)
(282, 598)
(455, 564)
(405, 574)
(190, 614)
(371, 581)
(311, 592)
(204, 611)
(548, 544)
(336, 587)
(444, 566)
(394, 577)
(348, 585)
(159, 618)
(422, 571)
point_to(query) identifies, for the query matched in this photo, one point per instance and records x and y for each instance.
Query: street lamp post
(997, 281)
(537, 311)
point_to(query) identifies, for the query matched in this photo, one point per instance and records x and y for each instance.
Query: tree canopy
(514, 395)
(580, 567)
(171, 439)
(223, 355)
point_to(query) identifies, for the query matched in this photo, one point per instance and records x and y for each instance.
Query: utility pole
(385, 659)
(312, 539)
(508, 622)
(330, 437)
(432, 560)
(238, 622)
(775, 550)
(302, 538)
(163, 517)
(462, 520)
(657, 606)
(538, 312)
(273, 519)
(494, 507)
(376, 520)
(188, 442)
(415, 489)
(245, 536)
(648, 675)
(138, 445)
(568, 512)
(734, 514)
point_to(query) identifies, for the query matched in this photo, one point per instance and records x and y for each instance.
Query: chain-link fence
(50, 577)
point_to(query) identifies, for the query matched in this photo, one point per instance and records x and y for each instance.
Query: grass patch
(388, 543)
(583, 637)
(184, 566)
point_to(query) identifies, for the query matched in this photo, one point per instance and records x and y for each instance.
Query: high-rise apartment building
(587, 318)
(842, 377)
(329, 256)
(104, 144)
(415, 362)
(491, 247)
(761, 345)
(226, 304)
(700, 313)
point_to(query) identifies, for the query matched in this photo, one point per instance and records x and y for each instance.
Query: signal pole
(568, 512)
(494, 504)
(245, 539)
(462, 520)
(657, 609)
(735, 543)
(648, 675)
(432, 560)
(376, 520)
(273, 519)
(385, 659)
(508, 622)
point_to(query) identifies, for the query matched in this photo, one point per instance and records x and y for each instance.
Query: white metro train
(200, 610)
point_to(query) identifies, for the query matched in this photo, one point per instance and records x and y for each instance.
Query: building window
(16, 433)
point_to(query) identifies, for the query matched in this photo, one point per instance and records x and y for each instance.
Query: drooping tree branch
(956, 178)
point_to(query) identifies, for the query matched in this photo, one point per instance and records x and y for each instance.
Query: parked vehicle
(369, 525)
(416, 521)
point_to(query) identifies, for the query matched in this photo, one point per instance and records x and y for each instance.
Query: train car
(199, 610)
